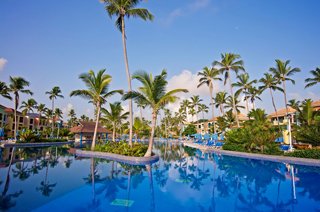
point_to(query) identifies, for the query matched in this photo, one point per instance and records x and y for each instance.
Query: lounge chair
(219, 144)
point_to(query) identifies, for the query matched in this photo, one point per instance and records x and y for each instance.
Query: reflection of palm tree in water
(152, 202)
(6, 201)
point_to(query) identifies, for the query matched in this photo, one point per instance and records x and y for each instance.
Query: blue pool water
(184, 179)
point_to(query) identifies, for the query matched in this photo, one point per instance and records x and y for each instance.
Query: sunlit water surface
(184, 179)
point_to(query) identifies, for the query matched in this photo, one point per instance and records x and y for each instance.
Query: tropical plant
(207, 77)
(125, 9)
(233, 104)
(315, 79)
(141, 106)
(84, 118)
(58, 116)
(185, 105)
(252, 94)
(5, 91)
(282, 72)
(221, 100)
(259, 116)
(269, 82)
(195, 102)
(97, 93)
(53, 94)
(140, 127)
(203, 109)
(230, 62)
(73, 118)
(28, 106)
(153, 94)
(18, 85)
(115, 116)
(244, 84)
(41, 108)
(189, 130)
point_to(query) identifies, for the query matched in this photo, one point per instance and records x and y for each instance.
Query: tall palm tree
(73, 118)
(230, 62)
(233, 103)
(192, 112)
(221, 100)
(282, 72)
(153, 94)
(97, 93)
(269, 82)
(203, 109)
(41, 108)
(141, 106)
(208, 76)
(58, 115)
(195, 102)
(115, 116)
(244, 84)
(185, 105)
(53, 94)
(84, 118)
(18, 85)
(28, 106)
(252, 94)
(125, 9)
(315, 80)
(5, 91)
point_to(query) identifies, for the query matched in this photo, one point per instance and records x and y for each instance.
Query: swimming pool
(184, 179)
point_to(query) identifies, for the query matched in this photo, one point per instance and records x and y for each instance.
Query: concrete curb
(273, 158)
(119, 158)
(44, 144)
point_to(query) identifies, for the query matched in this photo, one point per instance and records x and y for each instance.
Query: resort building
(3, 116)
(84, 132)
(282, 116)
(316, 105)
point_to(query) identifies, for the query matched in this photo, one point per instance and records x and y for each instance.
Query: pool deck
(274, 158)
(44, 144)
(119, 158)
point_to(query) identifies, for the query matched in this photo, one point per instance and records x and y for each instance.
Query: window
(21, 119)
(0, 116)
(4, 118)
(31, 121)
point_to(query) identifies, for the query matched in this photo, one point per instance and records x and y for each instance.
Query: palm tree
(58, 115)
(195, 102)
(141, 106)
(28, 106)
(221, 100)
(5, 91)
(84, 118)
(252, 94)
(208, 76)
(73, 118)
(115, 116)
(244, 84)
(153, 94)
(203, 109)
(41, 108)
(192, 112)
(233, 103)
(53, 94)
(97, 93)
(230, 62)
(282, 72)
(315, 80)
(269, 82)
(17, 85)
(122, 9)
(185, 105)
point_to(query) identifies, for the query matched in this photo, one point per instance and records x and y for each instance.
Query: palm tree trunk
(275, 109)
(253, 105)
(96, 127)
(114, 133)
(39, 122)
(152, 203)
(128, 77)
(221, 109)
(141, 113)
(212, 105)
(285, 96)
(233, 100)
(52, 124)
(247, 106)
(15, 116)
(153, 124)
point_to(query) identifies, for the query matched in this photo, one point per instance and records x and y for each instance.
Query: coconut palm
(244, 84)
(125, 9)
(5, 91)
(230, 105)
(269, 82)
(141, 106)
(115, 116)
(208, 76)
(282, 72)
(73, 118)
(41, 108)
(97, 93)
(252, 94)
(18, 85)
(221, 100)
(185, 105)
(58, 116)
(153, 94)
(315, 80)
(53, 94)
(195, 102)
(203, 109)
(28, 106)
(84, 118)
(192, 112)
(230, 62)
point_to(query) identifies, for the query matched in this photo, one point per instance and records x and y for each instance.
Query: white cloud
(67, 108)
(3, 62)
(199, 4)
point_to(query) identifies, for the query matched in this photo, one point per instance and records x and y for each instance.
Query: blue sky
(51, 42)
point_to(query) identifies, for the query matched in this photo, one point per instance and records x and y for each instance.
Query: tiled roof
(316, 105)
(282, 112)
(88, 127)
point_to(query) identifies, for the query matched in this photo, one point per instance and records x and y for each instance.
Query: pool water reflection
(184, 179)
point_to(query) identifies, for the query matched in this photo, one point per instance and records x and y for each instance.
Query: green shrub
(28, 136)
(189, 130)
(306, 153)
(122, 148)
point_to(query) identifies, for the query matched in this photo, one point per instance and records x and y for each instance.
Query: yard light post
(289, 131)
